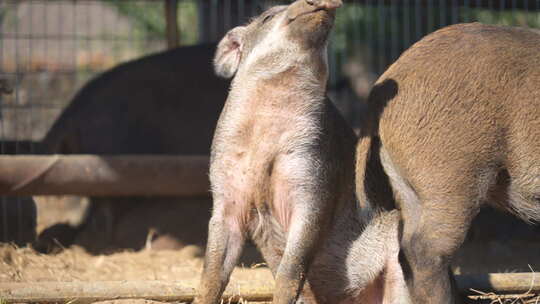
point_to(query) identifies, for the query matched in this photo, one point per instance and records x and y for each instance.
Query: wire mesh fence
(50, 49)
(371, 34)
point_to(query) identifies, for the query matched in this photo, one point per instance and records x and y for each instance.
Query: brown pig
(455, 123)
(282, 171)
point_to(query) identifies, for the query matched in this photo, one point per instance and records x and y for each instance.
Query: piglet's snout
(304, 7)
(325, 4)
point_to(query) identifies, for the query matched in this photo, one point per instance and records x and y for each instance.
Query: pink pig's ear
(229, 53)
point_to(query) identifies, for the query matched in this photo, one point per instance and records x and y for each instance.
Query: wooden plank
(95, 175)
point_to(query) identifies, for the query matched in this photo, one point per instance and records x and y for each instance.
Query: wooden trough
(86, 292)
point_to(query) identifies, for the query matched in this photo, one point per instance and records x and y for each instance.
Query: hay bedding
(491, 298)
(74, 264)
(185, 265)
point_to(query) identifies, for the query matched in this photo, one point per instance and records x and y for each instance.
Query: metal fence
(49, 49)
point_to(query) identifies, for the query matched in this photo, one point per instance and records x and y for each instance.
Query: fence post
(171, 17)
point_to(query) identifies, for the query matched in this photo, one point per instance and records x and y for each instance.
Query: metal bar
(94, 175)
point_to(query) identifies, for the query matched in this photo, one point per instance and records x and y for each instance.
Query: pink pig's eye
(267, 18)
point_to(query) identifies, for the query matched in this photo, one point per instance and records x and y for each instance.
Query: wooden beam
(500, 282)
(48, 292)
(171, 18)
(87, 292)
(94, 175)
